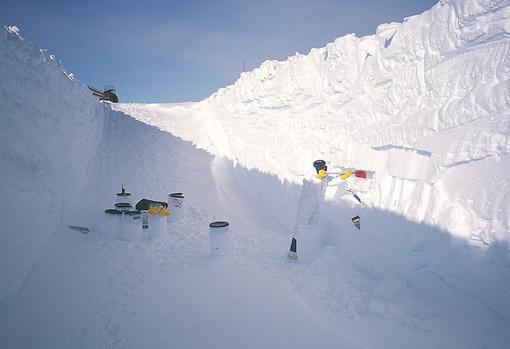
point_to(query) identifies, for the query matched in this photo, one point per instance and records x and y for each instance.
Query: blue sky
(177, 51)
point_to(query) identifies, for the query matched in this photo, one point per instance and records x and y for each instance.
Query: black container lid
(132, 213)
(123, 205)
(218, 224)
(112, 211)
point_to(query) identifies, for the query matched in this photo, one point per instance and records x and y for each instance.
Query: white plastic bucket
(157, 226)
(131, 226)
(175, 207)
(219, 241)
(123, 197)
(112, 224)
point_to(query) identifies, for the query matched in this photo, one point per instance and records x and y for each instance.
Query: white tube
(175, 207)
(219, 241)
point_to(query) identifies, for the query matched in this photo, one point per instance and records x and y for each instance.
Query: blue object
(320, 165)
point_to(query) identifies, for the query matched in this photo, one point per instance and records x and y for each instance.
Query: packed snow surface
(423, 106)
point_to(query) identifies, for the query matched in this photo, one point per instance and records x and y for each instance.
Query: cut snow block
(131, 226)
(219, 241)
(309, 242)
(293, 248)
(175, 207)
(112, 223)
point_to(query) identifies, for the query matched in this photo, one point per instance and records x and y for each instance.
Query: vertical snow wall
(424, 103)
(49, 130)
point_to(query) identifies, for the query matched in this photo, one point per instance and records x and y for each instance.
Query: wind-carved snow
(438, 83)
(423, 104)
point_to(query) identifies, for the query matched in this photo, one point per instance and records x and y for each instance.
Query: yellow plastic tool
(345, 175)
(158, 211)
(322, 174)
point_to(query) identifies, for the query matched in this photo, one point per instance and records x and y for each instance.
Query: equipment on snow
(176, 207)
(145, 204)
(162, 211)
(356, 221)
(293, 249)
(131, 226)
(108, 94)
(123, 206)
(123, 199)
(112, 223)
(345, 175)
(219, 242)
(322, 174)
(360, 174)
(320, 165)
(113, 211)
(355, 195)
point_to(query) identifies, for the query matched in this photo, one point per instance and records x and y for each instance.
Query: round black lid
(112, 211)
(132, 213)
(218, 224)
(123, 205)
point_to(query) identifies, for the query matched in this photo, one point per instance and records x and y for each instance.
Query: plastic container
(219, 241)
(157, 226)
(123, 197)
(112, 224)
(175, 207)
(131, 226)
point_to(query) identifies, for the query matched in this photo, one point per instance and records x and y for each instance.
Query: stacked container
(175, 207)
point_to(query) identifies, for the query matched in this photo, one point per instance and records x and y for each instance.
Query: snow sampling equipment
(125, 223)
(306, 231)
(122, 221)
(354, 195)
(154, 217)
(360, 174)
(219, 242)
(293, 248)
(108, 94)
(176, 204)
(356, 221)
(320, 165)
(112, 223)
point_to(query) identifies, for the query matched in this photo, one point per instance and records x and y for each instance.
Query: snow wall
(425, 104)
(64, 156)
(50, 125)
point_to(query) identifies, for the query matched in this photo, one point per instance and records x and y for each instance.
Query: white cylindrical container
(112, 224)
(219, 241)
(308, 243)
(145, 224)
(175, 207)
(157, 226)
(131, 226)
